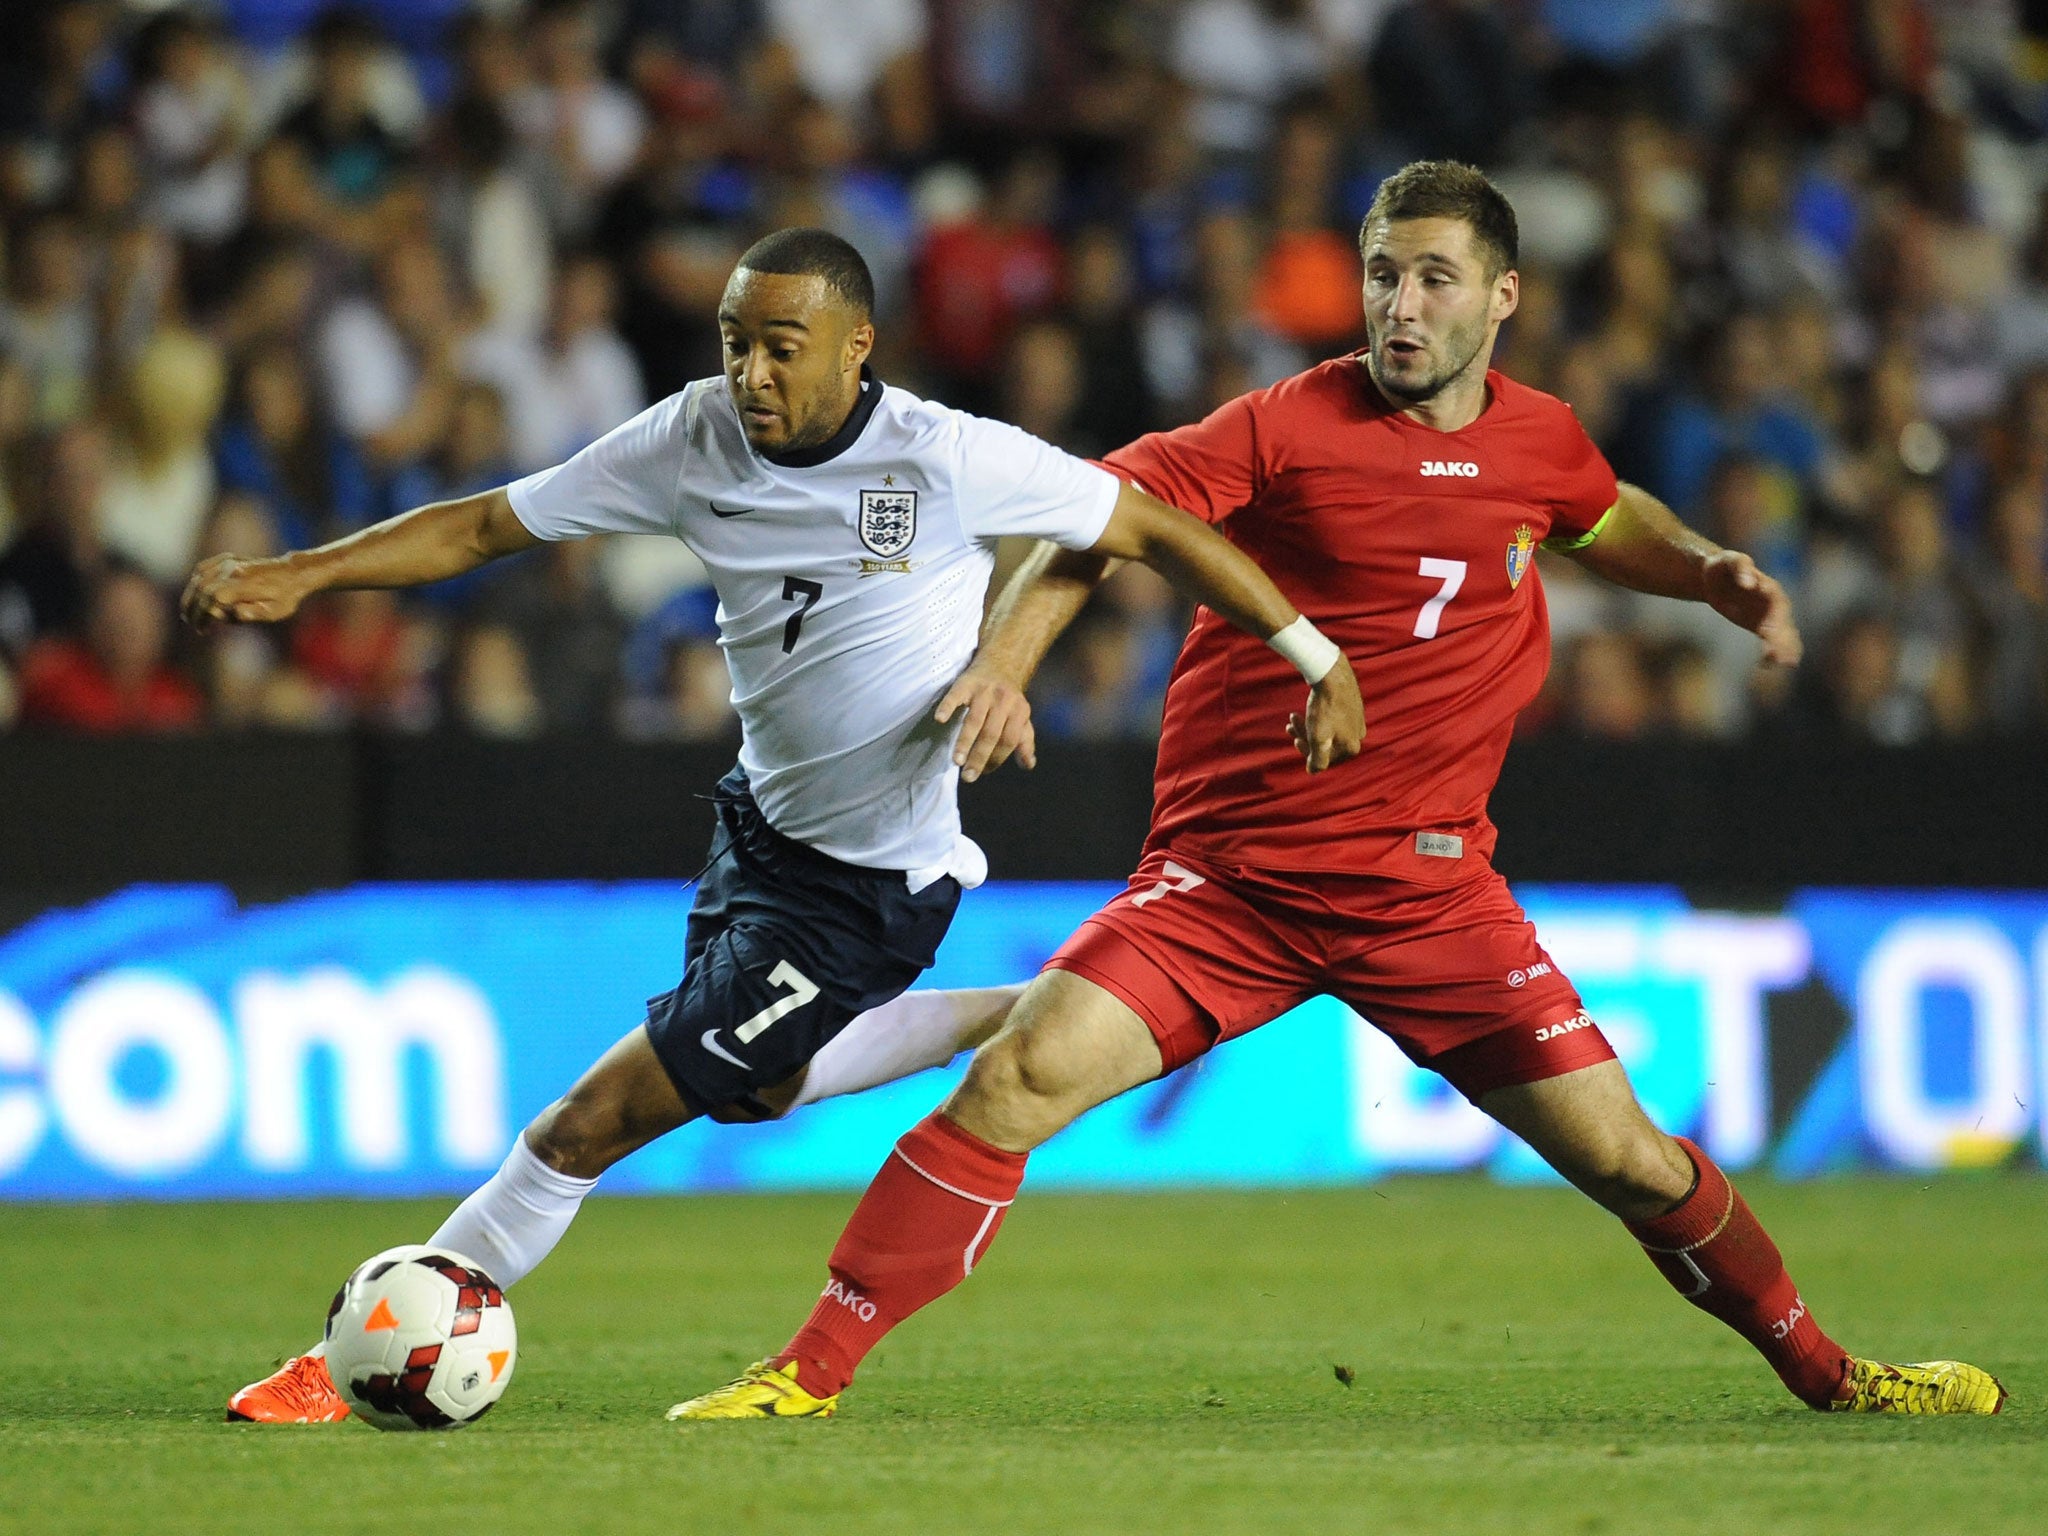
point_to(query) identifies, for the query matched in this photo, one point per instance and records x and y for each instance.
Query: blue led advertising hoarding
(169, 1042)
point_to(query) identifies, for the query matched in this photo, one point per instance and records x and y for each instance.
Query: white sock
(515, 1219)
(512, 1221)
(906, 1034)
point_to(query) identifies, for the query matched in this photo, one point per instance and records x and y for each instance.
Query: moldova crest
(888, 521)
(1520, 553)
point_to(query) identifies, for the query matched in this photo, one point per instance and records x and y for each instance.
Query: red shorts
(1453, 973)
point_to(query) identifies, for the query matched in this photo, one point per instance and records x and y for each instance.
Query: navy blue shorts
(785, 946)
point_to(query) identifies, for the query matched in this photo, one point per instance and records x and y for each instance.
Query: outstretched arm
(1641, 544)
(430, 543)
(1036, 604)
(1204, 566)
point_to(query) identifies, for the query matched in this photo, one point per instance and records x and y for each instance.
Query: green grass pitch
(1153, 1363)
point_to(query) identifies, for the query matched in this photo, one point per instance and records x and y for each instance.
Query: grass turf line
(1128, 1363)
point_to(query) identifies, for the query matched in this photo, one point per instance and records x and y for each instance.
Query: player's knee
(1018, 1081)
(1633, 1174)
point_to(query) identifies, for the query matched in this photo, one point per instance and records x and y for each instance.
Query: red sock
(1717, 1255)
(919, 1231)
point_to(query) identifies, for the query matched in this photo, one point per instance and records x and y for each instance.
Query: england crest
(1520, 553)
(888, 521)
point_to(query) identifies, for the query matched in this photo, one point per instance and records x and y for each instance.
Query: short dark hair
(815, 253)
(1446, 189)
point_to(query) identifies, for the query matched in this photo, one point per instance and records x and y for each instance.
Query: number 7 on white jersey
(1452, 573)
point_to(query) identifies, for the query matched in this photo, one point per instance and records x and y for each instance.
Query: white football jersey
(850, 581)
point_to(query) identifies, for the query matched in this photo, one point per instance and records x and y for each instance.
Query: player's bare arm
(430, 543)
(1037, 603)
(1641, 544)
(1207, 567)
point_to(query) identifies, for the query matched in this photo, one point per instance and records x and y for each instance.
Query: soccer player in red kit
(1399, 497)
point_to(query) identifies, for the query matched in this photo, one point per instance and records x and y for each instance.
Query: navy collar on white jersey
(833, 446)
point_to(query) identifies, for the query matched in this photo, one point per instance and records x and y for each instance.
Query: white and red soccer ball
(420, 1338)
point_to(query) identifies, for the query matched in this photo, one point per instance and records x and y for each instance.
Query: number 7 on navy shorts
(785, 946)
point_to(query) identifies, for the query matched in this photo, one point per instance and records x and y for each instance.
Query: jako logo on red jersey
(1521, 978)
(1579, 1020)
(1450, 467)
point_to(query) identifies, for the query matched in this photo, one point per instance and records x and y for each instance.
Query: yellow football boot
(761, 1391)
(1932, 1386)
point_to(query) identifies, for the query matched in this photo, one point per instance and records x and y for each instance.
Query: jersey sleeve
(1210, 468)
(1585, 489)
(625, 482)
(1010, 482)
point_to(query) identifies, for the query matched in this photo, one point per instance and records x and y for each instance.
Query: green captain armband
(1565, 546)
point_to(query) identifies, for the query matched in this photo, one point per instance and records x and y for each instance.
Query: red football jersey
(1414, 550)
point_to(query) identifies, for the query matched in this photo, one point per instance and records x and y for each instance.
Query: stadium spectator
(17, 421)
(976, 277)
(1243, 59)
(2010, 598)
(1096, 690)
(391, 362)
(1306, 285)
(719, 36)
(53, 94)
(191, 113)
(46, 321)
(1446, 77)
(1118, 398)
(1864, 696)
(275, 445)
(353, 142)
(1742, 408)
(1756, 255)
(266, 281)
(584, 128)
(1609, 692)
(569, 384)
(373, 659)
(1041, 388)
(825, 181)
(693, 702)
(474, 454)
(866, 57)
(161, 485)
(1845, 60)
(555, 604)
(491, 686)
(1691, 702)
(488, 57)
(47, 572)
(487, 211)
(670, 228)
(678, 687)
(118, 678)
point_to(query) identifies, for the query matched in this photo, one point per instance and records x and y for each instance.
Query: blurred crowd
(275, 269)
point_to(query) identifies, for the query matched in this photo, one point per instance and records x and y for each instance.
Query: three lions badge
(1520, 553)
(888, 521)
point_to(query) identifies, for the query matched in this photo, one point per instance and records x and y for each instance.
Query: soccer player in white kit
(849, 529)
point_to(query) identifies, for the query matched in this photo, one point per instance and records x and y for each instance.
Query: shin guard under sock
(1718, 1257)
(919, 1230)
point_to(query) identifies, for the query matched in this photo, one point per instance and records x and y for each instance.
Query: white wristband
(1312, 652)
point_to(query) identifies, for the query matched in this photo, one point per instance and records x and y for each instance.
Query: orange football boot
(298, 1392)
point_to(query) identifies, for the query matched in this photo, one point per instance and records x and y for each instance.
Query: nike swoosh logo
(718, 511)
(711, 1044)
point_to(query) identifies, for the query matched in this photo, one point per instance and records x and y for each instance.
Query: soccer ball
(420, 1338)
